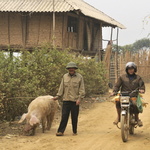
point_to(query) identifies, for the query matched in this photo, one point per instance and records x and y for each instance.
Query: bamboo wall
(40, 30)
(10, 29)
(27, 30)
(141, 59)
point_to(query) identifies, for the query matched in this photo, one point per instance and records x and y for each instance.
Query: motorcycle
(127, 122)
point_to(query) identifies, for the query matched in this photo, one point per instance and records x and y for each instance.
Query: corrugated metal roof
(90, 11)
(60, 6)
(34, 6)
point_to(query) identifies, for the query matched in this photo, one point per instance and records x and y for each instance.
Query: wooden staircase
(114, 72)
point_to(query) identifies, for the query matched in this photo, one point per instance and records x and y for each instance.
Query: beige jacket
(72, 87)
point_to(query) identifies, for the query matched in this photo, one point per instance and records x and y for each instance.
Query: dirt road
(95, 132)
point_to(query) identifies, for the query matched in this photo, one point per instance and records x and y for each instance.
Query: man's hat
(71, 65)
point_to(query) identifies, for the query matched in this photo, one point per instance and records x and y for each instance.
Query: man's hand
(55, 98)
(78, 102)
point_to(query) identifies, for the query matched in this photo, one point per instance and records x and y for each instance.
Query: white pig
(40, 110)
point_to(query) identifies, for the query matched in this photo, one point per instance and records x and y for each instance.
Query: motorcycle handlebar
(126, 93)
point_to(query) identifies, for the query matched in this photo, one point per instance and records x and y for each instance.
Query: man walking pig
(72, 90)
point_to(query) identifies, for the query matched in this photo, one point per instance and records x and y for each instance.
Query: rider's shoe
(116, 121)
(140, 124)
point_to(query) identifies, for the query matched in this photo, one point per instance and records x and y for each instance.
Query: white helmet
(131, 65)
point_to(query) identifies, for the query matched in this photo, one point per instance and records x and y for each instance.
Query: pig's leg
(51, 119)
(43, 125)
(33, 132)
(48, 122)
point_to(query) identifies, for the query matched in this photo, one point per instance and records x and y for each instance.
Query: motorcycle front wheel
(124, 128)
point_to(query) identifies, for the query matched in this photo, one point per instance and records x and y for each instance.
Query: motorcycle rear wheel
(131, 129)
(131, 126)
(124, 128)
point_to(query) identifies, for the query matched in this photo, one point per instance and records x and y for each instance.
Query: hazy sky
(130, 13)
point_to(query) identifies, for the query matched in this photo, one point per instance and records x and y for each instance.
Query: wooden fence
(118, 62)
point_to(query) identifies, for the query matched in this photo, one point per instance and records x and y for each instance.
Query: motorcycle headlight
(125, 99)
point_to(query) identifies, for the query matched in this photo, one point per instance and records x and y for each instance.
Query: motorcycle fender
(123, 112)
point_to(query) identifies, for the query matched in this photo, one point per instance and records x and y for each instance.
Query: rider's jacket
(126, 83)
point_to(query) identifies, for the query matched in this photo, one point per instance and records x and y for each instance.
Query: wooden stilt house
(66, 23)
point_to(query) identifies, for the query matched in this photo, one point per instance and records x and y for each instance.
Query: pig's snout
(30, 130)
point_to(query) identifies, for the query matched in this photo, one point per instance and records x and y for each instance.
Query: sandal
(140, 124)
(116, 121)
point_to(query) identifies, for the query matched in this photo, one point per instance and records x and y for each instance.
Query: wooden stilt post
(116, 58)
(53, 38)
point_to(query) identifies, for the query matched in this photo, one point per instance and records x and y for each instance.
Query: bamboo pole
(107, 57)
(116, 55)
(54, 19)
(24, 29)
(39, 25)
(8, 28)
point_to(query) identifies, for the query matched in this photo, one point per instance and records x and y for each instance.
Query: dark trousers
(68, 107)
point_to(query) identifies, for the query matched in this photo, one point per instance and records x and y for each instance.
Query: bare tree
(146, 21)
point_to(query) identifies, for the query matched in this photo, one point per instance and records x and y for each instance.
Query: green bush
(24, 77)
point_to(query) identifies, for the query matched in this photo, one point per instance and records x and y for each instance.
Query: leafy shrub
(29, 75)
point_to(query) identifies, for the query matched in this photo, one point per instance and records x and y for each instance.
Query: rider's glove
(141, 91)
(113, 94)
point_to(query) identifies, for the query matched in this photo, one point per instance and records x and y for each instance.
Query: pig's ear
(23, 118)
(34, 120)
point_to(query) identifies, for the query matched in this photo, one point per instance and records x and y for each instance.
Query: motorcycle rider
(128, 83)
